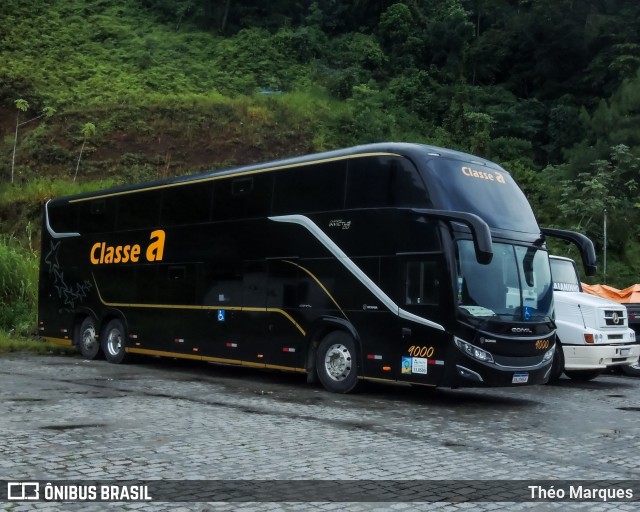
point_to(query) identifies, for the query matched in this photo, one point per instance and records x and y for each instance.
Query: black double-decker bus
(386, 262)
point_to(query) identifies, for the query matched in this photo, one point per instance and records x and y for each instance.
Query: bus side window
(97, 215)
(378, 182)
(314, 188)
(140, 210)
(421, 283)
(64, 218)
(186, 204)
(245, 197)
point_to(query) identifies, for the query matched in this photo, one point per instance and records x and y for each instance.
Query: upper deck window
(242, 197)
(186, 204)
(318, 187)
(387, 181)
(488, 192)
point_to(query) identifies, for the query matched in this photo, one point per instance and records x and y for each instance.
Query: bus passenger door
(423, 348)
(254, 316)
(222, 287)
(286, 336)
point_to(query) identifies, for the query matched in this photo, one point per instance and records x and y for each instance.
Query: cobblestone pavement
(63, 418)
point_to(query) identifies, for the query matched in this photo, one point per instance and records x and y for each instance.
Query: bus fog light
(473, 351)
(548, 355)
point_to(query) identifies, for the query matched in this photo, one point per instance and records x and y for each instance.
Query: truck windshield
(515, 286)
(565, 277)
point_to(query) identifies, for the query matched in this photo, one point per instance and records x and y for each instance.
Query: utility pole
(605, 246)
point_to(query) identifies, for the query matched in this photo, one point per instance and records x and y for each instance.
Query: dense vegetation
(102, 92)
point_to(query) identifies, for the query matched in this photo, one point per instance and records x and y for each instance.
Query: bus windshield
(488, 192)
(515, 286)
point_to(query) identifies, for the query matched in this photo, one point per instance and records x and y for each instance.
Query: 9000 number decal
(421, 351)
(542, 344)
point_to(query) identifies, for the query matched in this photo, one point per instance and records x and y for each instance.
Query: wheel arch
(113, 314)
(78, 318)
(319, 330)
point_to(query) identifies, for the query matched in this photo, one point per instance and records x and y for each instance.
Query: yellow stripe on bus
(58, 341)
(199, 308)
(162, 353)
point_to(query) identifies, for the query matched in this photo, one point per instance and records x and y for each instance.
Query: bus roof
(412, 151)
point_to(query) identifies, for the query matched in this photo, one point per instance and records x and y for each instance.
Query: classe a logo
(105, 254)
(483, 175)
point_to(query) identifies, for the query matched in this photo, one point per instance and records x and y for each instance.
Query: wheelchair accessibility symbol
(221, 315)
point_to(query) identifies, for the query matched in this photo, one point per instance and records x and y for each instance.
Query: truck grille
(615, 318)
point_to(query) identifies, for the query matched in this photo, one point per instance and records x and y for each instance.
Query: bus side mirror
(479, 230)
(583, 243)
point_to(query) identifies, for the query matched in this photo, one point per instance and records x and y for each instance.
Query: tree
(88, 130)
(23, 105)
(609, 185)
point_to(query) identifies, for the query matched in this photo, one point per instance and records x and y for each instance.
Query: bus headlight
(548, 354)
(473, 351)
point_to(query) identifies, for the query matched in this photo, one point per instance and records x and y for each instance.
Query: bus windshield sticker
(406, 365)
(478, 311)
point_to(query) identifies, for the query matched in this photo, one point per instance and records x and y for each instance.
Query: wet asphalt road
(63, 418)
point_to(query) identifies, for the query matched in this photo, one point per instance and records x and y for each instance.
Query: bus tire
(87, 343)
(582, 375)
(113, 342)
(337, 362)
(557, 366)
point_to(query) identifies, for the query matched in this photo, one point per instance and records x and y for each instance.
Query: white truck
(592, 332)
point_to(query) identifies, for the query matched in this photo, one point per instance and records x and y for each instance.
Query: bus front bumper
(467, 371)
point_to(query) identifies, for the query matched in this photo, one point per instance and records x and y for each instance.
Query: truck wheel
(336, 362)
(87, 342)
(557, 366)
(583, 375)
(633, 369)
(113, 342)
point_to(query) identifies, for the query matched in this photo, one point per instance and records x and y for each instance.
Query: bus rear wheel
(337, 363)
(87, 343)
(113, 340)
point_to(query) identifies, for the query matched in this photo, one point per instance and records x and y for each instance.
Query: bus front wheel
(337, 363)
(113, 342)
(557, 366)
(87, 342)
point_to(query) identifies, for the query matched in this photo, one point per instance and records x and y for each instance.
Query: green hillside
(104, 92)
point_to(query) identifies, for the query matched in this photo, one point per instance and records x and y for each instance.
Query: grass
(10, 343)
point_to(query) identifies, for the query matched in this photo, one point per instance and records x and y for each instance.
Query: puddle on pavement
(62, 428)
(632, 409)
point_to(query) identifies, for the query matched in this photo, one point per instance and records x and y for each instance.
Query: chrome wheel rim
(89, 340)
(114, 342)
(337, 362)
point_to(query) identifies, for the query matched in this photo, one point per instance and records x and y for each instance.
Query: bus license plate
(520, 378)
